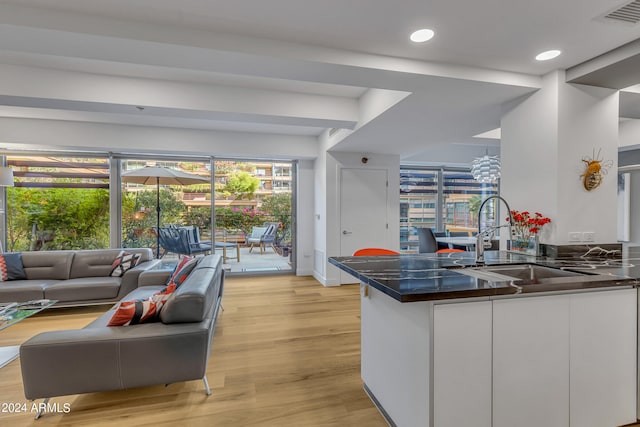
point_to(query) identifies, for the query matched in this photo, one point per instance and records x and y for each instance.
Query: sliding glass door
(253, 214)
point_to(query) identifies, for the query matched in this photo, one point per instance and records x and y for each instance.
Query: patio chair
(263, 236)
(177, 240)
(280, 245)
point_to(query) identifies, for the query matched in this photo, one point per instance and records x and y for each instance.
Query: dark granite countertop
(425, 277)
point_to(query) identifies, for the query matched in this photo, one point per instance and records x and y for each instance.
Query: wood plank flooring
(286, 352)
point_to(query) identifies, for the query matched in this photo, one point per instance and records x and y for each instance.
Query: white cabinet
(603, 358)
(531, 362)
(396, 357)
(462, 364)
(559, 360)
(565, 360)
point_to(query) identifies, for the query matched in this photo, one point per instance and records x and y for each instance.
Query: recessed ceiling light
(422, 35)
(550, 54)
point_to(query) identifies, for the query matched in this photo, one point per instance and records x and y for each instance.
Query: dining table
(468, 242)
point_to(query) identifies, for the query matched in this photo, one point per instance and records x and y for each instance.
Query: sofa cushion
(195, 298)
(23, 290)
(83, 289)
(93, 263)
(11, 267)
(54, 265)
(123, 262)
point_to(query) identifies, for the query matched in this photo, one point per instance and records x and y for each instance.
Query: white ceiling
(296, 67)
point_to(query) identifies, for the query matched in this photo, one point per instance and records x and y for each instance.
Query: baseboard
(375, 401)
(324, 281)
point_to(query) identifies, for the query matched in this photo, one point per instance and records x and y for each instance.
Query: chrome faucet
(480, 236)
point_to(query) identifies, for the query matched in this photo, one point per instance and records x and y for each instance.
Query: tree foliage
(57, 218)
(242, 184)
(239, 219)
(278, 207)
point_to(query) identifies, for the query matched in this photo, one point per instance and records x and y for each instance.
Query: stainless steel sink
(531, 273)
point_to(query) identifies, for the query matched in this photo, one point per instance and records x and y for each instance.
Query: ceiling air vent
(628, 13)
(333, 131)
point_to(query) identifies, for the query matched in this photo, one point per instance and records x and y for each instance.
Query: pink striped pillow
(142, 310)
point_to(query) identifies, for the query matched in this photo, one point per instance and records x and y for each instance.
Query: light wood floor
(286, 352)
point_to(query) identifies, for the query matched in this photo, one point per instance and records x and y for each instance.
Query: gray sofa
(75, 277)
(102, 358)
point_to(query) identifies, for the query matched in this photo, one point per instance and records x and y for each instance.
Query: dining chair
(441, 234)
(374, 252)
(427, 242)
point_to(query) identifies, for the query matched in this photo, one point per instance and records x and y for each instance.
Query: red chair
(374, 252)
(446, 251)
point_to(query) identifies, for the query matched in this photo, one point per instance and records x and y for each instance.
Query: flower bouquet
(525, 228)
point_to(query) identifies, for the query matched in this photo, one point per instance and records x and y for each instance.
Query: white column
(545, 136)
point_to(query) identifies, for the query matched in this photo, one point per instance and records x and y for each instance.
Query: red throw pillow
(142, 310)
(134, 312)
(181, 272)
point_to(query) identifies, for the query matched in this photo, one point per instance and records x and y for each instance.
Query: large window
(462, 196)
(179, 204)
(418, 199)
(69, 202)
(58, 203)
(444, 200)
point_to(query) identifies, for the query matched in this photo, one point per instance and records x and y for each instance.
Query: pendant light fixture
(486, 169)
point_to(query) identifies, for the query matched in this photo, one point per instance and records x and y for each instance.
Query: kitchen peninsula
(521, 341)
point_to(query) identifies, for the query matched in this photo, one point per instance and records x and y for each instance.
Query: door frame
(345, 277)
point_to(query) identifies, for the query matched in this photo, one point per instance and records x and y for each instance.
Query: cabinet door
(395, 356)
(603, 358)
(531, 362)
(462, 364)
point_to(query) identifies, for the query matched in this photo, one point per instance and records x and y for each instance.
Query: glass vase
(526, 245)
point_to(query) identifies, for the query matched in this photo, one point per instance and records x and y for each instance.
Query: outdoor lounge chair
(178, 240)
(263, 236)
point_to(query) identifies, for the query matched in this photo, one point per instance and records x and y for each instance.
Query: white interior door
(363, 212)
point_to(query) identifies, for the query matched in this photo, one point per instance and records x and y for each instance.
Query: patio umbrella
(158, 175)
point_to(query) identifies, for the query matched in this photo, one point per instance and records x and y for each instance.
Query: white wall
(545, 136)
(335, 161)
(629, 133)
(326, 210)
(528, 154)
(320, 210)
(304, 218)
(634, 209)
(588, 125)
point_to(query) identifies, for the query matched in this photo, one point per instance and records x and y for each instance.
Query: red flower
(526, 225)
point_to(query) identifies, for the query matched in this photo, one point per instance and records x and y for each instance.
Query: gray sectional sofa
(75, 277)
(102, 358)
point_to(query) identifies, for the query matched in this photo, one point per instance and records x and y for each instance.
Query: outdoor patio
(250, 262)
